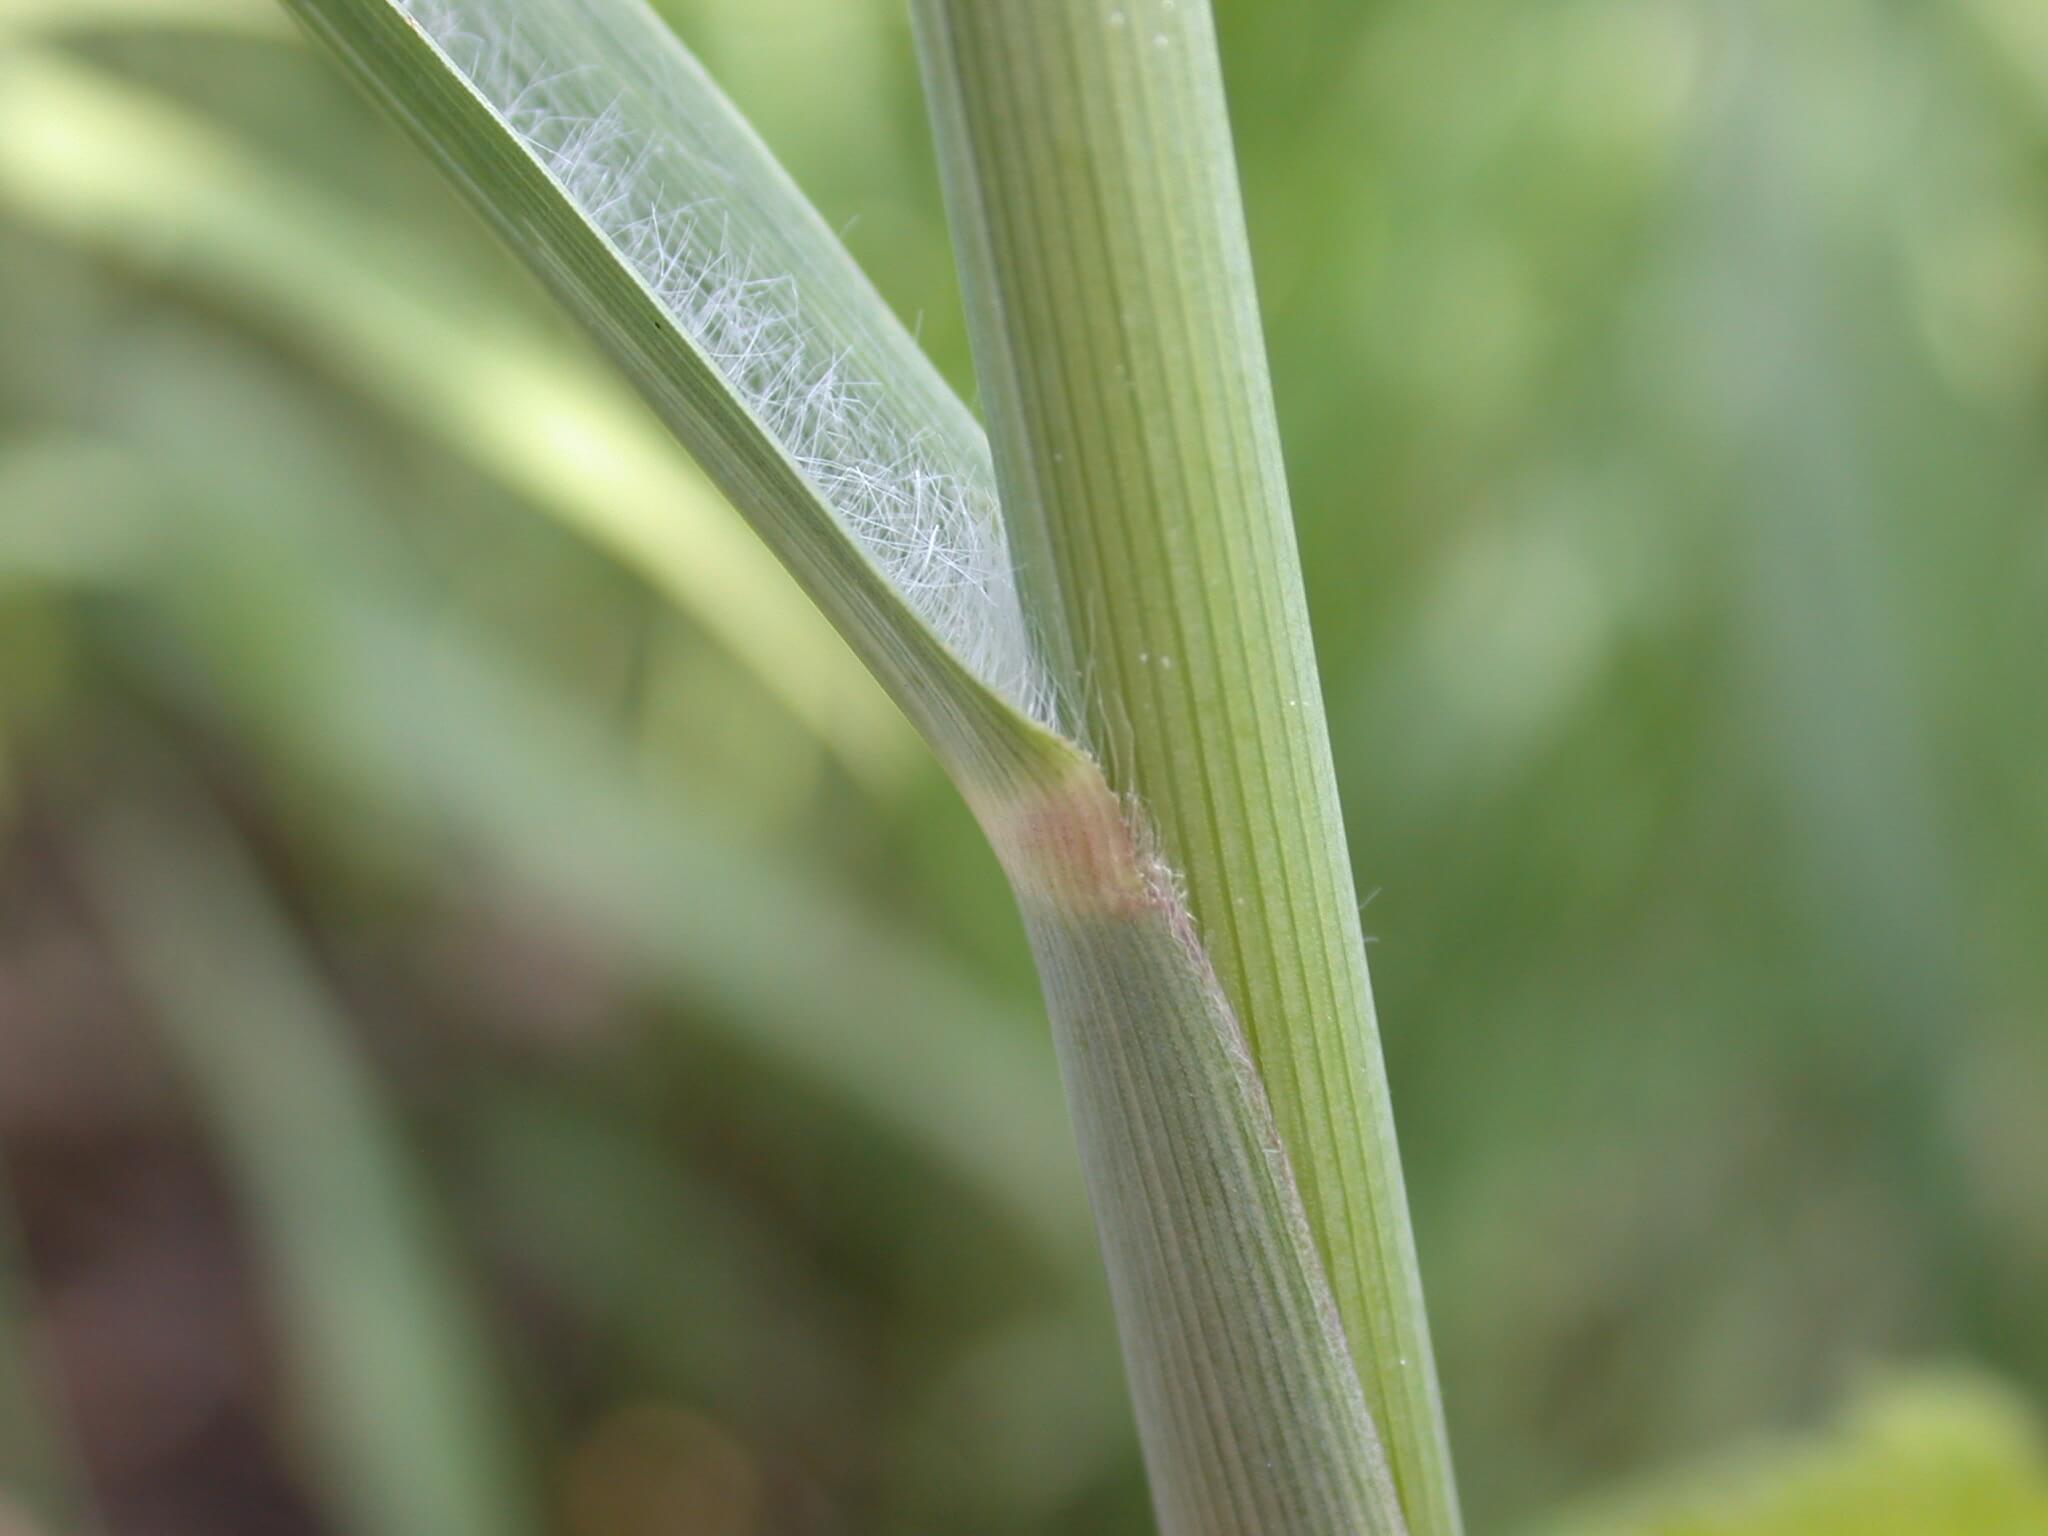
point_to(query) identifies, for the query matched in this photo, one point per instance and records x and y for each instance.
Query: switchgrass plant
(1725, 951)
(1100, 631)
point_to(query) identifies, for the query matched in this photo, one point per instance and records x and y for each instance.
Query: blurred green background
(502, 1029)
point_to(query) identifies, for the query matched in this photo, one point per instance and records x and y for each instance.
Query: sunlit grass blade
(385, 1350)
(1949, 1453)
(100, 163)
(1093, 194)
(69, 16)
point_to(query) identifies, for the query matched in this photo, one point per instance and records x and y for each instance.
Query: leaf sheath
(1094, 202)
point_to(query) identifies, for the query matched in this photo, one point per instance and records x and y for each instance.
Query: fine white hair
(925, 513)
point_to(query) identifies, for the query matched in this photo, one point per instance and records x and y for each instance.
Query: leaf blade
(693, 322)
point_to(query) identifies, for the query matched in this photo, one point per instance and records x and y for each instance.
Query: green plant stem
(1094, 201)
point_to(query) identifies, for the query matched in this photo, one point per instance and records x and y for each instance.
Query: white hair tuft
(932, 527)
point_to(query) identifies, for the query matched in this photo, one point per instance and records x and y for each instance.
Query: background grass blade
(386, 1352)
(1094, 202)
(422, 726)
(1946, 1452)
(101, 164)
(502, 795)
(42, 1487)
(68, 16)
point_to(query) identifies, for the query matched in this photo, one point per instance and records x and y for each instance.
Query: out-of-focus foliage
(1905, 1459)
(1663, 387)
